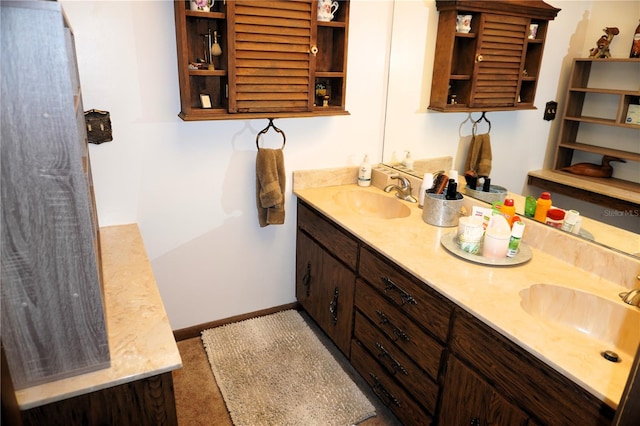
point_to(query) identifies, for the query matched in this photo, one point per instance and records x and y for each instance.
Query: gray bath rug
(273, 370)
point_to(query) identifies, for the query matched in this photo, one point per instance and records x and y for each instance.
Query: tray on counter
(450, 242)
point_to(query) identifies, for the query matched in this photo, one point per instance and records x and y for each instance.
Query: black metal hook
(475, 123)
(266, 129)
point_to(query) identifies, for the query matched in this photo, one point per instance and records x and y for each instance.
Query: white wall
(191, 185)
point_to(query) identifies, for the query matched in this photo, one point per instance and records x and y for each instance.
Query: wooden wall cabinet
(593, 125)
(495, 66)
(277, 60)
(53, 319)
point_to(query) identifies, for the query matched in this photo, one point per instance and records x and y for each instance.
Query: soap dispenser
(408, 161)
(364, 172)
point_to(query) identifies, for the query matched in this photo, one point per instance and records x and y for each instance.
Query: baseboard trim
(196, 330)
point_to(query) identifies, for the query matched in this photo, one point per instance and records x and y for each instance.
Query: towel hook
(266, 129)
(482, 117)
(462, 124)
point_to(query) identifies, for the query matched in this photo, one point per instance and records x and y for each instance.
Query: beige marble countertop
(492, 293)
(141, 341)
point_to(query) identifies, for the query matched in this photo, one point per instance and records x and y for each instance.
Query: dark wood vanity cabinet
(427, 359)
(400, 335)
(495, 66)
(277, 60)
(518, 378)
(468, 400)
(325, 275)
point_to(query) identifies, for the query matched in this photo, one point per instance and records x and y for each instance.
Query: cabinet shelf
(602, 121)
(604, 91)
(626, 155)
(205, 15)
(209, 73)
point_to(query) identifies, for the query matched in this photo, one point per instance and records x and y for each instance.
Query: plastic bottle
(452, 190)
(530, 207)
(427, 183)
(408, 161)
(542, 206)
(364, 173)
(555, 217)
(516, 235)
(570, 220)
(508, 210)
(635, 44)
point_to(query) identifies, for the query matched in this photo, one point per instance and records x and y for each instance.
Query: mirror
(517, 137)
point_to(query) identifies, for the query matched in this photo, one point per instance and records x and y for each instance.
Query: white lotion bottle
(427, 183)
(364, 172)
(408, 161)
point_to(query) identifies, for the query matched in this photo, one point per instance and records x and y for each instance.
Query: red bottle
(635, 44)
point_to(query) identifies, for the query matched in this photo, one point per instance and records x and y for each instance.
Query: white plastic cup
(470, 232)
(495, 245)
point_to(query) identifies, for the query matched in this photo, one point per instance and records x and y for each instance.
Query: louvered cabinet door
(499, 61)
(270, 44)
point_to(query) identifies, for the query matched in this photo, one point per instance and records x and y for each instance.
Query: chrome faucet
(631, 297)
(403, 191)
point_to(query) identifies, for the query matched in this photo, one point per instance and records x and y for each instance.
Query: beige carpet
(273, 370)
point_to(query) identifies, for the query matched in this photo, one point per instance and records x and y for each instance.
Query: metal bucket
(441, 212)
(496, 193)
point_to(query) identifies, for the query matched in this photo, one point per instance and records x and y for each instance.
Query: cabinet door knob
(479, 58)
(314, 50)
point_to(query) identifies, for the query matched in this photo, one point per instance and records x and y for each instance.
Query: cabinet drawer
(428, 308)
(546, 394)
(333, 239)
(396, 363)
(425, 351)
(391, 394)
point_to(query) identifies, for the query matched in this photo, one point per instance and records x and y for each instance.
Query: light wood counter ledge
(141, 341)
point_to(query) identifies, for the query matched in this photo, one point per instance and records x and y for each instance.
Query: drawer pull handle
(395, 365)
(333, 307)
(306, 280)
(404, 296)
(398, 333)
(386, 396)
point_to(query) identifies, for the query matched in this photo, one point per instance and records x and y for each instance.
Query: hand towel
(270, 186)
(479, 155)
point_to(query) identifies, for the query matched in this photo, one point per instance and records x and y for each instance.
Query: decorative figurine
(603, 170)
(602, 49)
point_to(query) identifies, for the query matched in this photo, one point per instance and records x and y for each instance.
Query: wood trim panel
(147, 401)
(196, 330)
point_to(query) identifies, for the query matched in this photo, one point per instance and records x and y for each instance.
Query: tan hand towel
(479, 155)
(270, 186)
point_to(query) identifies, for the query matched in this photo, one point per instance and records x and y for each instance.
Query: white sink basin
(612, 322)
(372, 204)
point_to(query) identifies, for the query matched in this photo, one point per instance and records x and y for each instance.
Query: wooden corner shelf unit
(594, 124)
(277, 60)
